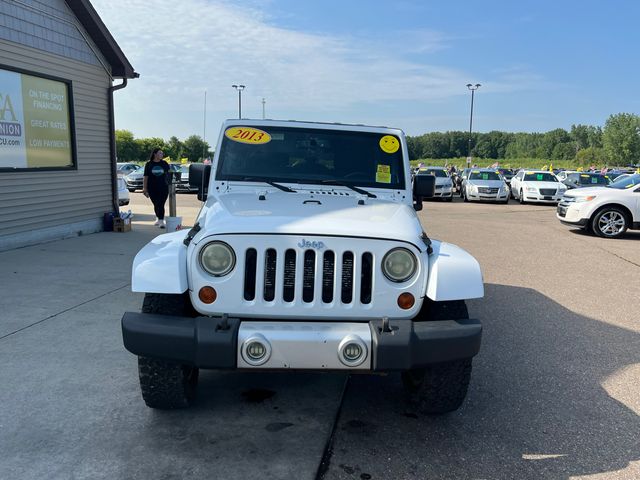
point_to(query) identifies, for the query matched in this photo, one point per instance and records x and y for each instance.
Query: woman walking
(156, 185)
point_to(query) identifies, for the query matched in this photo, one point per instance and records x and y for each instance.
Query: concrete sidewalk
(71, 406)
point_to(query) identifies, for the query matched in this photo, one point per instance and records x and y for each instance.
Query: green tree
(147, 145)
(591, 156)
(194, 147)
(126, 146)
(621, 138)
(174, 148)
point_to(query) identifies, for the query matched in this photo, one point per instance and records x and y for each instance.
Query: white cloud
(182, 48)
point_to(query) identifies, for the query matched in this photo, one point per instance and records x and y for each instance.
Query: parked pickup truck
(307, 254)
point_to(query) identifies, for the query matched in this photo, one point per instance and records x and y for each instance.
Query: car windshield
(310, 155)
(436, 172)
(587, 179)
(628, 182)
(539, 177)
(478, 175)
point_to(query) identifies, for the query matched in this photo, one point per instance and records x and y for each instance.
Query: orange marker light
(207, 295)
(406, 301)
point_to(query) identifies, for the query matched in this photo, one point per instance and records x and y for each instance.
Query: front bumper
(212, 342)
(538, 198)
(488, 197)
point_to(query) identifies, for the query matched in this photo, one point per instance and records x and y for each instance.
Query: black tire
(167, 385)
(464, 196)
(449, 199)
(521, 198)
(442, 387)
(616, 230)
(132, 190)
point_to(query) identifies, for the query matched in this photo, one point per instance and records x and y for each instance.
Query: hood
(136, 175)
(443, 181)
(287, 213)
(486, 183)
(545, 184)
(583, 192)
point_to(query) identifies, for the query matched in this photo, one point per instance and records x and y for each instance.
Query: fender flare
(161, 265)
(453, 274)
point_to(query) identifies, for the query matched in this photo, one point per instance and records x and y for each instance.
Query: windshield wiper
(361, 191)
(284, 188)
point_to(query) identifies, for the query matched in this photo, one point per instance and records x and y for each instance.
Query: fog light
(207, 295)
(256, 350)
(406, 301)
(352, 351)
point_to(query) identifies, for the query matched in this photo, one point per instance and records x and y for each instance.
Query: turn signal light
(406, 301)
(207, 295)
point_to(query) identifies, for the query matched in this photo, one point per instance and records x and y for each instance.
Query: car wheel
(449, 199)
(521, 198)
(610, 222)
(164, 384)
(464, 195)
(132, 190)
(442, 387)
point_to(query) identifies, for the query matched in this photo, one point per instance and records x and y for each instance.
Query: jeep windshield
(312, 156)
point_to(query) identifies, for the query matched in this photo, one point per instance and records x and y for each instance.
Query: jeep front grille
(298, 282)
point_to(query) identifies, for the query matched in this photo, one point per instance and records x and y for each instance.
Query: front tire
(610, 222)
(521, 198)
(441, 387)
(167, 385)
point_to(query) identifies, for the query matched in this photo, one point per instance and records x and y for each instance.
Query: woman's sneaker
(157, 222)
(162, 224)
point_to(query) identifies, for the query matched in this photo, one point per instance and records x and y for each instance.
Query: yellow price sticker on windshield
(389, 144)
(383, 174)
(248, 135)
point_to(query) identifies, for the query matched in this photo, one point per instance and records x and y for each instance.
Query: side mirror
(424, 186)
(199, 175)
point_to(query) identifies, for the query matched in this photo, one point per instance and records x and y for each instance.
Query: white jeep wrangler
(307, 255)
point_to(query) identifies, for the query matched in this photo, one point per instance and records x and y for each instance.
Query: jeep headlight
(399, 265)
(217, 258)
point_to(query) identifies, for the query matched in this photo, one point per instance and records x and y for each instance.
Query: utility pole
(473, 89)
(263, 102)
(239, 88)
(204, 129)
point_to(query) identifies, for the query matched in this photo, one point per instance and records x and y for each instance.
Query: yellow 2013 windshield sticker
(383, 174)
(249, 135)
(389, 144)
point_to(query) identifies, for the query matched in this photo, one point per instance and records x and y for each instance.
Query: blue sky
(542, 64)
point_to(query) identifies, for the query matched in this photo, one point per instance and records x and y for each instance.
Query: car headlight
(474, 189)
(217, 258)
(399, 265)
(532, 189)
(584, 199)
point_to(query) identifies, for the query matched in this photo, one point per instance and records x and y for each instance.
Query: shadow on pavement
(536, 406)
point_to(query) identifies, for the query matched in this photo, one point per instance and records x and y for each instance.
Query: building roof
(97, 30)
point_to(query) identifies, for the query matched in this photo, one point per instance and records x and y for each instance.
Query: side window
(520, 175)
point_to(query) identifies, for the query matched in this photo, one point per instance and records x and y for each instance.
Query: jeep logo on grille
(307, 244)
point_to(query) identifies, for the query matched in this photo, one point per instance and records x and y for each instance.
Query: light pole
(473, 89)
(239, 88)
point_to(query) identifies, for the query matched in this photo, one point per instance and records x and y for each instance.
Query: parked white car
(606, 211)
(537, 186)
(123, 192)
(485, 184)
(444, 184)
(307, 254)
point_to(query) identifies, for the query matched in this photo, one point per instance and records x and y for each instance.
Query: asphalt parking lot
(555, 391)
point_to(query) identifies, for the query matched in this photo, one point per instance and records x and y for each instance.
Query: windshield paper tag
(383, 174)
(389, 144)
(249, 135)
(485, 176)
(539, 176)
